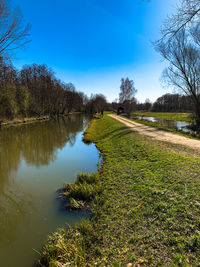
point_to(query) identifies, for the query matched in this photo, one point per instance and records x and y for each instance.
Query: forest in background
(35, 91)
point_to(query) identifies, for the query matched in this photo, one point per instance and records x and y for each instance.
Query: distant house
(120, 110)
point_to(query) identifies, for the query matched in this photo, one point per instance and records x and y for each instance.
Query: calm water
(35, 160)
(180, 125)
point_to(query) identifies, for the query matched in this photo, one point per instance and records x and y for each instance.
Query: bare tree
(195, 32)
(13, 32)
(147, 104)
(127, 90)
(184, 69)
(96, 103)
(186, 16)
(172, 103)
(126, 95)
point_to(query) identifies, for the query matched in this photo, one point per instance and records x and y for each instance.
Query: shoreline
(27, 120)
(21, 121)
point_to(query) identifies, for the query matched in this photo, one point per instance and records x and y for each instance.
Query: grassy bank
(167, 115)
(148, 213)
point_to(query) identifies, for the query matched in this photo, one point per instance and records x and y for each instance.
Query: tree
(8, 106)
(23, 100)
(127, 90)
(187, 15)
(100, 103)
(97, 103)
(13, 33)
(126, 95)
(147, 104)
(173, 103)
(184, 69)
(180, 45)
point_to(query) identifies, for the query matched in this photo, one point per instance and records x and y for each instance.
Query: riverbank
(17, 121)
(187, 117)
(148, 211)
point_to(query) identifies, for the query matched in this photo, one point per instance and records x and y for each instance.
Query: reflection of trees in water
(37, 143)
(13, 207)
(42, 140)
(9, 154)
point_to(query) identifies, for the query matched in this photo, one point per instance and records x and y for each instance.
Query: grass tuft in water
(80, 194)
(66, 247)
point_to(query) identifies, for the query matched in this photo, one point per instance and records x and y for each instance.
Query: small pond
(179, 125)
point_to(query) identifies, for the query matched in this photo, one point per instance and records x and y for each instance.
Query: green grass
(80, 194)
(167, 115)
(68, 246)
(148, 211)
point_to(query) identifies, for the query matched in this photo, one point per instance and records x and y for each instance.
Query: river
(35, 160)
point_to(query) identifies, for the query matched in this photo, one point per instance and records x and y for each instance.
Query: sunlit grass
(147, 212)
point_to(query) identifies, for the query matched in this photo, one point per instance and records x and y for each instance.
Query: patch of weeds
(75, 204)
(194, 241)
(67, 247)
(92, 178)
(82, 192)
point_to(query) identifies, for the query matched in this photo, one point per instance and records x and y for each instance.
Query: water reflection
(13, 207)
(36, 143)
(35, 160)
(179, 125)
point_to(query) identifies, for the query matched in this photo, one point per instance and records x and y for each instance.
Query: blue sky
(94, 43)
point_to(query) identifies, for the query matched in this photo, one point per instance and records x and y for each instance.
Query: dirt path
(158, 134)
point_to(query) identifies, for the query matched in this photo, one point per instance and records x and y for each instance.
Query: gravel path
(158, 134)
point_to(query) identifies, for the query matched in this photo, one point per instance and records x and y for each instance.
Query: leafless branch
(13, 33)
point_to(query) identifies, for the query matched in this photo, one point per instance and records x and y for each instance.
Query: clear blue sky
(94, 43)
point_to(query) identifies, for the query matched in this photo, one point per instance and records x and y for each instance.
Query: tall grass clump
(67, 247)
(80, 194)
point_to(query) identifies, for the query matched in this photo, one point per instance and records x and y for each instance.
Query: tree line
(165, 103)
(35, 91)
(168, 103)
(173, 103)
